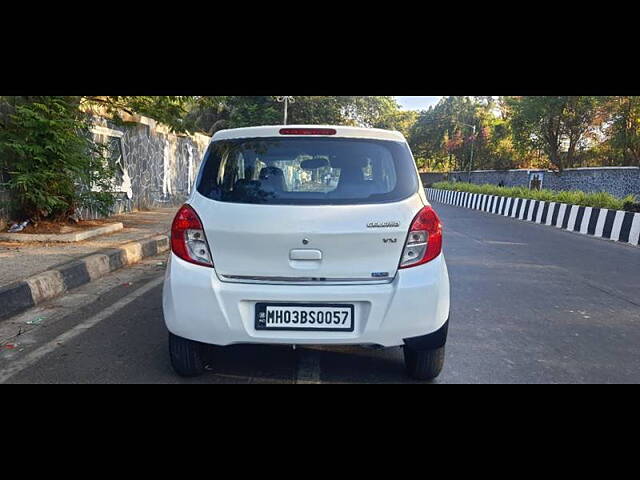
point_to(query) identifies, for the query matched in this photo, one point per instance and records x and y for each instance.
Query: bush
(52, 164)
(575, 197)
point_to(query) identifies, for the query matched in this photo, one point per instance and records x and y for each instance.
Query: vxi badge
(383, 224)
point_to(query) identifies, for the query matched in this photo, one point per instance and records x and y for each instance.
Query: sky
(417, 103)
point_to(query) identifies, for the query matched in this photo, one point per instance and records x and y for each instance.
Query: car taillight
(308, 131)
(187, 238)
(424, 242)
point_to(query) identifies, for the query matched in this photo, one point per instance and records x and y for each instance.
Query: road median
(615, 225)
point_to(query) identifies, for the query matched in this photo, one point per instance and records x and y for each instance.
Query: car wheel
(186, 356)
(424, 364)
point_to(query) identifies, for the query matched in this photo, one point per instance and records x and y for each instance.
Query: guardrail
(615, 225)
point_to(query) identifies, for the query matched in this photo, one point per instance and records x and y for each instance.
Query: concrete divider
(21, 295)
(613, 225)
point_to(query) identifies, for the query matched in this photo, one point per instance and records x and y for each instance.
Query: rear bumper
(198, 306)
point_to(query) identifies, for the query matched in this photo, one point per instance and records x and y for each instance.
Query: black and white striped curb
(614, 225)
(21, 295)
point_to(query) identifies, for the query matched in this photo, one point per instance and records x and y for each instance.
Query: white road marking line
(308, 366)
(20, 364)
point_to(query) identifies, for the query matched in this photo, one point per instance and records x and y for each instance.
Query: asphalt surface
(530, 304)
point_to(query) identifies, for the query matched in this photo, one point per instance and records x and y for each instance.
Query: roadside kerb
(21, 295)
(64, 237)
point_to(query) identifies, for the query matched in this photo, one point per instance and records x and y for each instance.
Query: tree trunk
(555, 158)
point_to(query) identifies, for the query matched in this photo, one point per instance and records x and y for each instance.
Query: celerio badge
(383, 224)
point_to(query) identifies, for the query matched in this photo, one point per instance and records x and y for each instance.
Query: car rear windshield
(307, 171)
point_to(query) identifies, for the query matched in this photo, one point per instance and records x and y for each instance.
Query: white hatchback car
(307, 235)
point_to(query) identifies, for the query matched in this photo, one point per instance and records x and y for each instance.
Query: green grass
(574, 197)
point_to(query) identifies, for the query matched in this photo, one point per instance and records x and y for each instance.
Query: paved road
(530, 304)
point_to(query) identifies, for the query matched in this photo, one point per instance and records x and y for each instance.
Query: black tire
(424, 364)
(186, 356)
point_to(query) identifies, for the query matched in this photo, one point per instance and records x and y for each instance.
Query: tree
(556, 125)
(431, 136)
(399, 120)
(49, 158)
(169, 110)
(443, 136)
(623, 129)
(210, 114)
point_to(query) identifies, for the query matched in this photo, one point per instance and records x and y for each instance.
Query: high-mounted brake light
(307, 131)
(424, 242)
(187, 238)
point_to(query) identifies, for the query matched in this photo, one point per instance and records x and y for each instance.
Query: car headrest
(272, 179)
(267, 172)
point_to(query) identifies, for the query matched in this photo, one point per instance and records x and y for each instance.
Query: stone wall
(618, 181)
(154, 166)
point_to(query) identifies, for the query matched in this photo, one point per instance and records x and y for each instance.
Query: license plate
(316, 317)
